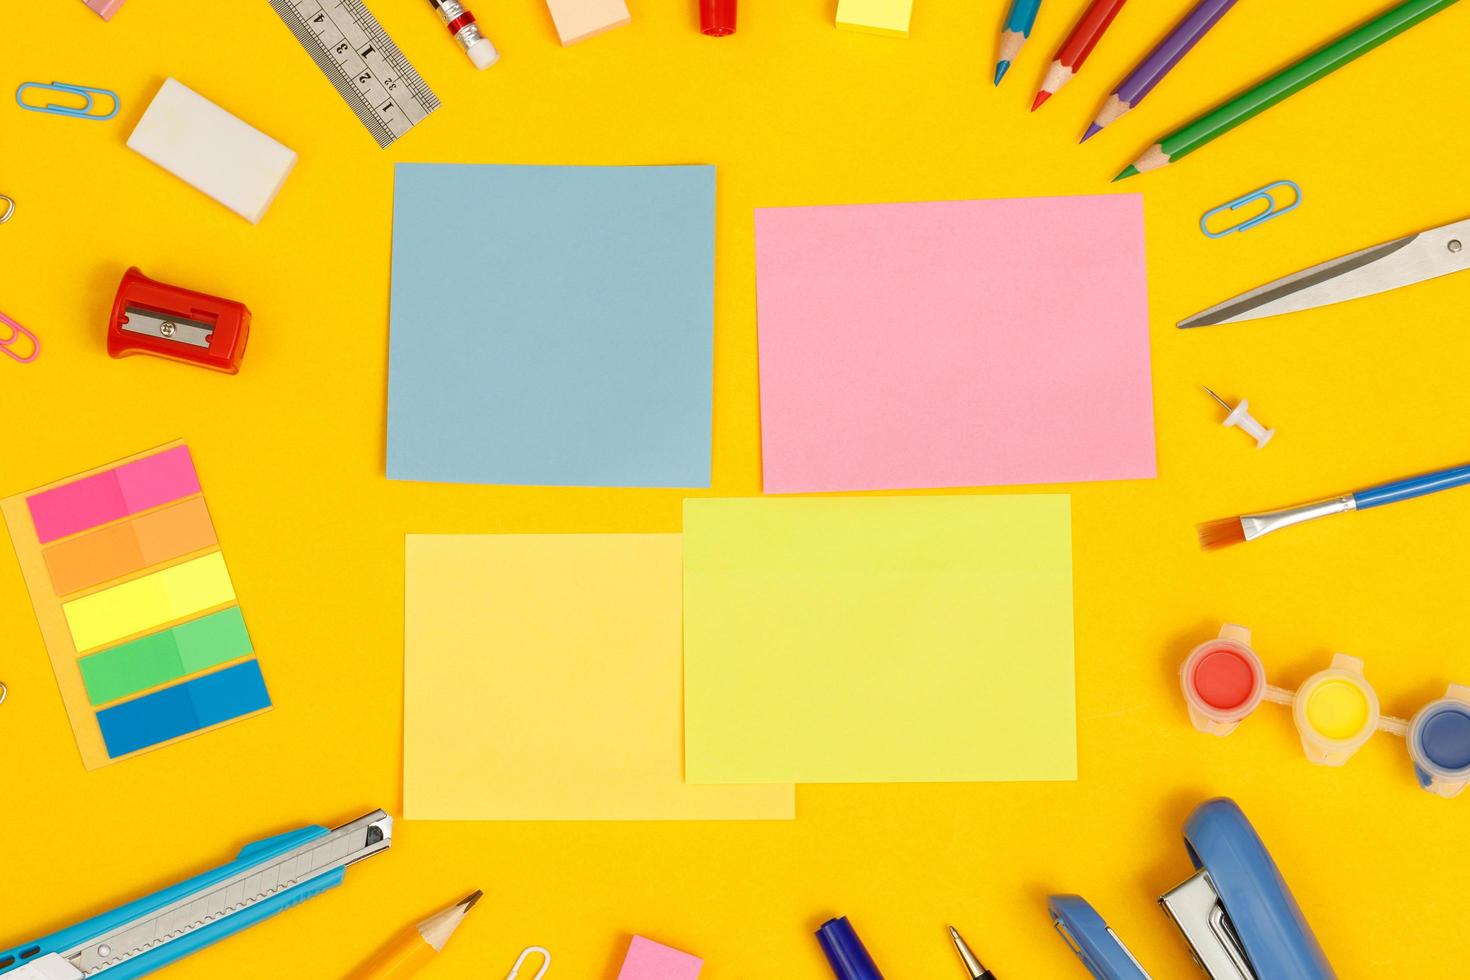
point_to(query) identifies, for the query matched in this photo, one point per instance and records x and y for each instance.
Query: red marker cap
(717, 17)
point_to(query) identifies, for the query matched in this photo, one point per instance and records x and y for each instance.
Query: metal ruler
(371, 74)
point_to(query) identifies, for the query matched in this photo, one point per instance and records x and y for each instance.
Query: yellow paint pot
(1336, 711)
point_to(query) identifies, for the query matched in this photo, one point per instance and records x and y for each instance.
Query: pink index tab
(648, 960)
(158, 480)
(104, 497)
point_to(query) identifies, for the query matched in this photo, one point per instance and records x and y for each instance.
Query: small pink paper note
(954, 344)
(648, 960)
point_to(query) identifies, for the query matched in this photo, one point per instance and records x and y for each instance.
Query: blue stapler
(1235, 911)
(269, 876)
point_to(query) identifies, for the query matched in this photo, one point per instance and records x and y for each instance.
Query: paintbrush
(1248, 527)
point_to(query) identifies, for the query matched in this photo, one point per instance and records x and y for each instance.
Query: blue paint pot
(1439, 742)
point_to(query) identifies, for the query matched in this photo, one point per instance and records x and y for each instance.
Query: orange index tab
(122, 549)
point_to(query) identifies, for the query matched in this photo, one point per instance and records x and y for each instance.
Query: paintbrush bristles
(1221, 534)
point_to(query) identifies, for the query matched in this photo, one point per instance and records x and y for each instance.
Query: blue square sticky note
(552, 326)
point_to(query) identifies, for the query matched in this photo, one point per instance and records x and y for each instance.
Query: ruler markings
(368, 70)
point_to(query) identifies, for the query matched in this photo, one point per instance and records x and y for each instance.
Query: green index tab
(166, 656)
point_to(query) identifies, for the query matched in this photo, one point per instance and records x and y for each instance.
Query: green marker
(1284, 83)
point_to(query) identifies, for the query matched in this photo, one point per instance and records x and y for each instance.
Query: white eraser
(211, 150)
(482, 53)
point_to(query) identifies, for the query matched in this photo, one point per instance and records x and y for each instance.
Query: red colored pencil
(1078, 45)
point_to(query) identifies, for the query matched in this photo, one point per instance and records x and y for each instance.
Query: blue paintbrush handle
(1415, 486)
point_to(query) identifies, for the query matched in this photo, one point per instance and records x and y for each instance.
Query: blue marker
(1014, 34)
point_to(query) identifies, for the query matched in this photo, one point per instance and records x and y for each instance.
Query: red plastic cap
(717, 17)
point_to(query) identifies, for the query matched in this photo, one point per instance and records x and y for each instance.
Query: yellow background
(793, 112)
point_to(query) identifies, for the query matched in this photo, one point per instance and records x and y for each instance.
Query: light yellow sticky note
(542, 682)
(889, 17)
(145, 603)
(879, 639)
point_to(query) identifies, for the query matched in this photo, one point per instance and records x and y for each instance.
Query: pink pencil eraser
(104, 8)
(648, 960)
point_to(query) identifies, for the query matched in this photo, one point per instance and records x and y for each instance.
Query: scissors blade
(1427, 255)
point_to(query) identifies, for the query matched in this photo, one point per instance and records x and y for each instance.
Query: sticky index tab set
(135, 604)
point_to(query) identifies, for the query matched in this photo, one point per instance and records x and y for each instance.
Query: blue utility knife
(269, 876)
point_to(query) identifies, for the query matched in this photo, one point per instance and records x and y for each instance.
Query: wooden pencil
(1159, 62)
(1079, 44)
(1014, 33)
(1285, 83)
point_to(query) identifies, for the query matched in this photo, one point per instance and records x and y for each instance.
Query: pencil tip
(1092, 130)
(953, 932)
(1041, 98)
(1001, 67)
(468, 902)
(1128, 171)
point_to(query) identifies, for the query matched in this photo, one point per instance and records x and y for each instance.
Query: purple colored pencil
(1160, 61)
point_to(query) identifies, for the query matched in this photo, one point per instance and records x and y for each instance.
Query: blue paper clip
(1263, 194)
(83, 111)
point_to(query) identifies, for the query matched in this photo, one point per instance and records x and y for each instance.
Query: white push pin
(1240, 416)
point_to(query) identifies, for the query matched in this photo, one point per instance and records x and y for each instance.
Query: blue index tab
(184, 708)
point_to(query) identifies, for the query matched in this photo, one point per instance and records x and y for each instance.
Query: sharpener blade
(181, 330)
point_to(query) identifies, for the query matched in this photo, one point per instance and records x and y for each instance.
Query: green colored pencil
(1319, 64)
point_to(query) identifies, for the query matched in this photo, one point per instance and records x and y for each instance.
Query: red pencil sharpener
(151, 317)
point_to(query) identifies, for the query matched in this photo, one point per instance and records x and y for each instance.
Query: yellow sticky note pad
(542, 682)
(878, 639)
(875, 16)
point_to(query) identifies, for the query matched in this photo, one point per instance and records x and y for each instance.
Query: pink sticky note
(954, 344)
(648, 960)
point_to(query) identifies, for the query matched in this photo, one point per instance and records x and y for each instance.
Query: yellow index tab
(151, 601)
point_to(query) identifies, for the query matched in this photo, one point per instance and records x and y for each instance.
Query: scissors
(1427, 255)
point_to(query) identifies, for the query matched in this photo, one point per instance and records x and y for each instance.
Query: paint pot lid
(1440, 737)
(1224, 678)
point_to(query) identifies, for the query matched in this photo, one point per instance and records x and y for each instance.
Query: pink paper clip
(16, 332)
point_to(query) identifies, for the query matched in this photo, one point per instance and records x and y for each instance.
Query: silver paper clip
(16, 333)
(83, 111)
(9, 208)
(1273, 209)
(515, 971)
(4, 692)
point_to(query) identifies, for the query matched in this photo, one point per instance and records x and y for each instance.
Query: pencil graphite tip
(1041, 98)
(1092, 130)
(468, 902)
(1128, 171)
(1001, 67)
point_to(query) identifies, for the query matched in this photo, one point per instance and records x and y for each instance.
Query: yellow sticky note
(875, 16)
(879, 639)
(148, 602)
(542, 682)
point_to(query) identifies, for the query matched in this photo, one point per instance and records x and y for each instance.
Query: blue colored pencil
(1014, 33)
